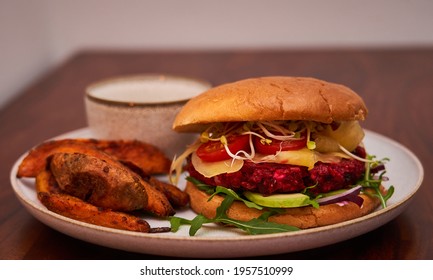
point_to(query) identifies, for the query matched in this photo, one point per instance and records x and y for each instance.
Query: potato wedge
(145, 156)
(104, 182)
(37, 159)
(176, 197)
(99, 182)
(77, 209)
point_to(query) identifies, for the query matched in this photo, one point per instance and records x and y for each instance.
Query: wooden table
(397, 86)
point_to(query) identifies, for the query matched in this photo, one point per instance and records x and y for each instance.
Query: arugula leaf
(232, 193)
(255, 226)
(176, 222)
(197, 223)
(201, 186)
(258, 225)
(369, 182)
(212, 191)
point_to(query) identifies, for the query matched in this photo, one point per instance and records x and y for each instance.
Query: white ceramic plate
(404, 170)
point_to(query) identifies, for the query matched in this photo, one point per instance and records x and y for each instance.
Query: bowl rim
(135, 77)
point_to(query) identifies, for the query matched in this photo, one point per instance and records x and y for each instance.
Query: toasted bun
(301, 217)
(269, 99)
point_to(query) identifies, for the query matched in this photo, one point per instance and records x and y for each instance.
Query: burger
(291, 147)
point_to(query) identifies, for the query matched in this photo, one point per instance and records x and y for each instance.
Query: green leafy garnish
(232, 193)
(374, 183)
(259, 225)
(211, 190)
(255, 226)
(201, 186)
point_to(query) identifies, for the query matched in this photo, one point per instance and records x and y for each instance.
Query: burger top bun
(269, 99)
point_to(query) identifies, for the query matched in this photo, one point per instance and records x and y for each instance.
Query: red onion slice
(349, 195)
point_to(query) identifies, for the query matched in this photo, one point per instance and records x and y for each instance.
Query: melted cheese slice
(210, 169)
(302, 157)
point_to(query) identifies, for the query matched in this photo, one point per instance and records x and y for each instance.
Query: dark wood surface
(397, 86)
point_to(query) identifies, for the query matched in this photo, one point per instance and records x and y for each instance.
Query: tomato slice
(277, 145)
(212, 151)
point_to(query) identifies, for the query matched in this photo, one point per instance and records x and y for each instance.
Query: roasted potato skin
(147, 157)
(176, 197)
(37, 158)
(109, 180)
(72, 207)
(99, 182)
(103, 182)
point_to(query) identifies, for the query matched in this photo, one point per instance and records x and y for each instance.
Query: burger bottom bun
(301, 217)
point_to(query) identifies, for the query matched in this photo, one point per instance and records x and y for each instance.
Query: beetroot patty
(271, 178)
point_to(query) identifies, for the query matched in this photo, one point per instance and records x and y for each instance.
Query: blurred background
(37, 35)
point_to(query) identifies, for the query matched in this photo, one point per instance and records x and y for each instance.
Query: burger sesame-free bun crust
(301, 217)
(269, 99)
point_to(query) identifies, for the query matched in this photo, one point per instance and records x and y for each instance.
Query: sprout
(311, 145)
(355, 156)
(285, 134)
(176, 165)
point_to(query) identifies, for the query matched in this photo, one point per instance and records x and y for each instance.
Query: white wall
(34, 35)
(25, 50)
